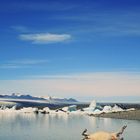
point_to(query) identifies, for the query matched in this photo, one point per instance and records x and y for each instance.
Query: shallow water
(60, 127)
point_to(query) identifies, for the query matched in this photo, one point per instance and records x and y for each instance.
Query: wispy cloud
(91, 76)
(23, 63)
(29, 61)
(43, 38)
(10, 66)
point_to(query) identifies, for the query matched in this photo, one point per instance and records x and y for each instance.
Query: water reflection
(28, 126)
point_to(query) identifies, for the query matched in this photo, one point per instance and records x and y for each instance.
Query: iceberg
(97, 111)
(93, 104)
(45, 110)
(70, 108)
(92, 107)
(29, 110)
(107, 109)
(116, 108)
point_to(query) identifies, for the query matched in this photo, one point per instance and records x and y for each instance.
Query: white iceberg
(45, 110)
(107, 109)
(69, 108)
(97, 111)
(130, 109)
(29, 110)
(116, 108)
(91, 107)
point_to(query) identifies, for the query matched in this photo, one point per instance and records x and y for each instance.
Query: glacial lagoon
(30, 126)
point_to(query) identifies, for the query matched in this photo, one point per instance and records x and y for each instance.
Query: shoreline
(127, 115)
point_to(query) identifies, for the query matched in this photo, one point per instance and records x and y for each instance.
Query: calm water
(59, 127)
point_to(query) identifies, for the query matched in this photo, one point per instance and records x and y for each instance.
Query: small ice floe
(66, 109)
(107, 109)
(116, 108)
(130, 109)
(78, 112)
(45, 110)
(14, 107)
(97, 111)
(3, 107)
(59, 110)
(29, 110)
(7, 110)
(70, 108)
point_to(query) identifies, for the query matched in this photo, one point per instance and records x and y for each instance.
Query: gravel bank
(129, 115)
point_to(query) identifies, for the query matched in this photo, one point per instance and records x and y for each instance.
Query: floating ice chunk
(8, 110)
(3, 107)
(107, 109)
(130, 109)
(45, 110)
(69, 108)
(116, 108)
(77, 112)
(14, 107)
(35, 110)
(97, 111)
(29, 110)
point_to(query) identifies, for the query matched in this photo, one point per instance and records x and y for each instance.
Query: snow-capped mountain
(35, 98)
(20, 96)
(62, 99)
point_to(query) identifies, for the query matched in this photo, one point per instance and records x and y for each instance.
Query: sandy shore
(129, 115)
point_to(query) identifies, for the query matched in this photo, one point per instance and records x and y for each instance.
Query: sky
(70, 48)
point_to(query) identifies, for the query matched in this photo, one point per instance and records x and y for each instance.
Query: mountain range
(35, 98)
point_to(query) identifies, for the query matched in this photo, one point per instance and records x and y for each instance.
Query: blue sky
(56, 39)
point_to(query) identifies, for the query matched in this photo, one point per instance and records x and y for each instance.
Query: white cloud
(9, 66)
(29, 61)
(45, 38)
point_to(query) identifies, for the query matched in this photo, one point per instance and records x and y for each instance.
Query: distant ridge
(29, 97)
(20, 96)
